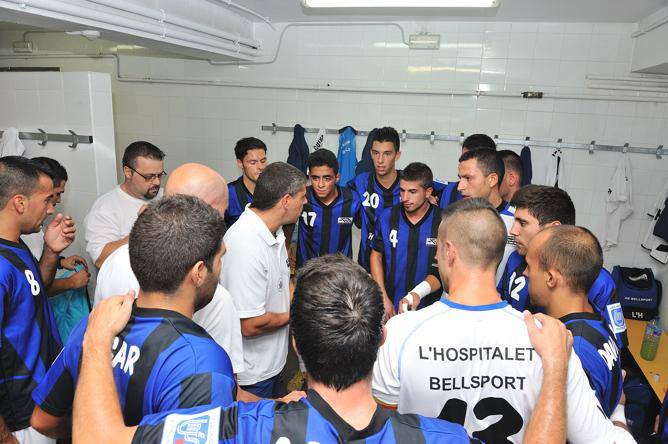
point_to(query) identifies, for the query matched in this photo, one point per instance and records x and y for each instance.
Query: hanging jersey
(325, 229)
(239, 198)
(507, 213)
(310, 420)
(597, 349)
(449, 195)
(474, 365)
(408, 250)
(29, 340)
(161, 361)
(347, 154)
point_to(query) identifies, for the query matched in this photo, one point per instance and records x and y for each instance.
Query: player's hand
(108, 319)
(552, 340)
(9, 439)
(60, 233)
(404, 304)
(71, 262)
(389, 308)
(79, 279)
(293, 396)
(433, 200)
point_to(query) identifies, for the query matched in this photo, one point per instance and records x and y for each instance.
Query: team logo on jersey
(345, 220)
(431, 242)
(198, 428)
(616, 317)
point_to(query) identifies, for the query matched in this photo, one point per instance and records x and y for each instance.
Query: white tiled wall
(197, 122)
(57, 102)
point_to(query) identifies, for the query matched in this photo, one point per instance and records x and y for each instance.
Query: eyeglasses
(149, 177)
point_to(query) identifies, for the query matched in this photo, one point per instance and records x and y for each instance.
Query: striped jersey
(29, 340)
(239, 198)
(449, 195)
(325, 229)
(507, 213)
(310, 420)
(162, 361)
(408, 250)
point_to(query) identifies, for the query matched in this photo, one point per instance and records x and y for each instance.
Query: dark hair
(575, 253)
(387, 134)
(277, 180)
(418, 172)
(323, 157)
(547, 204)
(18, 175)
(476, 228)
(479, 141)
(53, 169)
(171, 236)
(488, 162)
(512, 161)
(336, 319)
(246, 144)
(141, 149)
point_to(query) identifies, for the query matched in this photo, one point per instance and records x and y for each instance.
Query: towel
(555, 175)
(618, 203)
(10, 144)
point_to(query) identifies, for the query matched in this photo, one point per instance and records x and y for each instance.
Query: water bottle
(650, 343)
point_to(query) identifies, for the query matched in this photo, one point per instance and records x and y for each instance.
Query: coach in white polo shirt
(112, 215)
(256, 272)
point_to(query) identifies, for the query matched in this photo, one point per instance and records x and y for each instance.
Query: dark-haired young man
(251, 154)
(327, 217)
(337, 323)
(162, 359)
(512, 178)
(538, 207)
(563, 262)
(404, 246)
(110, 219)
(30, 339)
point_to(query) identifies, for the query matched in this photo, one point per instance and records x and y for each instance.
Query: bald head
(475, 228)
(197, 180)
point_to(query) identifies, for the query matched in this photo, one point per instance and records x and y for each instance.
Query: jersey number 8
(510, 423)
(34, 285)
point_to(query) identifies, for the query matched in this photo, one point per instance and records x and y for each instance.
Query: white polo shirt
(219, 318)
(111, 218)
(256, 272)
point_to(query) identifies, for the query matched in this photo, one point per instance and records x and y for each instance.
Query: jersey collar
(418, 223)
(502, 206)
(18, 244)
(495, 306)
(321, 203)
(394, 184)
(580, 316)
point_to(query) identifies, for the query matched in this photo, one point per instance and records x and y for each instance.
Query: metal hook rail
(44, 137)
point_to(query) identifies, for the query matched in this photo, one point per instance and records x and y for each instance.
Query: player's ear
(430, 191)
(398, 156)
(554, 223)
(450, 252)
(20, 203)
(240, 164)
(338, 177)
(127, 172)
(551, 278)
(198, 273)
(493, 180)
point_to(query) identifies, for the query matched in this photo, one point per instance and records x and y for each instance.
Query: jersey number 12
(510, 423)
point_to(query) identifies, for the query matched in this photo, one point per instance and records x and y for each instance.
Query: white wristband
(422, 289)
(618, 414)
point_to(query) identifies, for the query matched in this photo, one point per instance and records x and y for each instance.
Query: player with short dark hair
(327, 217)
(402, 260)
(563, 262)
(162, 359)
(337, 323)
(512, 179)
(251, 154)
(538, 207)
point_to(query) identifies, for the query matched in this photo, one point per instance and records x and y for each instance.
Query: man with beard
(251, 154)
(111, 217)
(404, 246)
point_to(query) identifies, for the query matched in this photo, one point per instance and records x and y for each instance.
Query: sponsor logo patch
(431, 241)
(616, 317)
(345, 220)
(198, 428)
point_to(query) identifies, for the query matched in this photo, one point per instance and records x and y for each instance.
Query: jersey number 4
(510, 423)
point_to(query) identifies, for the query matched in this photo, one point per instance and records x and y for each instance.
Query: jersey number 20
(510, 423)
(371, 200)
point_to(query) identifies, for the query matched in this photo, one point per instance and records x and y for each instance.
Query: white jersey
(475, 366)
(507, 214)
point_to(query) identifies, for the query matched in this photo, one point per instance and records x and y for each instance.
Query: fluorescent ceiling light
(400, 3)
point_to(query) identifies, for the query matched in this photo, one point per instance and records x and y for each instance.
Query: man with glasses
(112, 215)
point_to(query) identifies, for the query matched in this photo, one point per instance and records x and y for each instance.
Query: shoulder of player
(431, 426)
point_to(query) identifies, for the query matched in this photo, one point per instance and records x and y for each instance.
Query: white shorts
(32, 436)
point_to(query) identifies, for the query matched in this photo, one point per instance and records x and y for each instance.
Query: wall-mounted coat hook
(659, 152)
(45, 137)
(273, 129)
(527, 139)
(403, 135)
(75, 139)
(432, 137)
(625, 149)
(461, 138)
(591, 146)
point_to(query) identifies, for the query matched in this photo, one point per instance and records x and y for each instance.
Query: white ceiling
(628, 11)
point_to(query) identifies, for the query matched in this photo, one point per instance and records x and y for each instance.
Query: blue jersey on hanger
(309, 420)
(29, 340)
(239, 198)
(597, 349)
(325, 229)
(161, 360)
(448, 195)
(408, 251)
(347, 155)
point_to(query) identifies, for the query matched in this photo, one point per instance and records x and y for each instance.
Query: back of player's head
(18, 175)
(418, 172)
(512, 162)
(54, 169)
(574, 252)
(387, 134)
(488, 161)
(336, 319)
(323, 157)
(277, 180)
(141, 149)
(478, 142)
(170, 237)
(476, 229)
(195, 179)
(246, 144)
(546, 204)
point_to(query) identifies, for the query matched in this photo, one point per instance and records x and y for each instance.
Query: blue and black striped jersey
(597, 349)
(408, 251)
(29, 340)
(449, 195)
(309, 420)
(325, 229)
(161, 360)
(239, 198)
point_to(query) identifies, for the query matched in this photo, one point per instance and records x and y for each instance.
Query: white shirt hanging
(618, 205)
(10, 144)
(555, 175)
